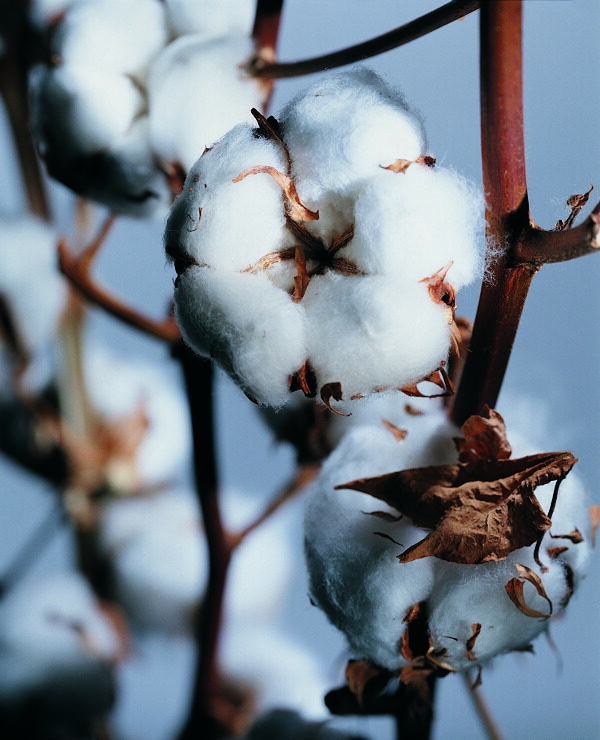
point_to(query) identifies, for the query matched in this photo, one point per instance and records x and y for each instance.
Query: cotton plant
(442, 551)
(58, 652)
(321, 251)
(121, 128)
(33, 297)
(155, 551)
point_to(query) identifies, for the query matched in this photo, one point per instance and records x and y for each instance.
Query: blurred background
(551, 391)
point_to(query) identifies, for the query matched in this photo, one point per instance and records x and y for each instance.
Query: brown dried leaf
(295, 208)
(575, 536)
(556, 552)
(413, 410)
(484, 438)
(470, 644)
(329, 391)
(514, 589)
(302, 279)
(478, 511)
(398, 433)
(595, 521)
(399, 165)
(305, 380)
(358, 675)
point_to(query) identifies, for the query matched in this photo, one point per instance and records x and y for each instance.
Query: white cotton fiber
(230, 225)
(114, 35)
(248, 325)
(416, 222)
(56, 653)
(356, 579)
(369, 332)
(344, 127)
(71, 108)
(210, 19)
(196, 93)
(158, 559)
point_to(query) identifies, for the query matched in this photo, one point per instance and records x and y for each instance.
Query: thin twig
(482, 709)
(304, 475)
(82, 281)
(415, 29)
(503, 294)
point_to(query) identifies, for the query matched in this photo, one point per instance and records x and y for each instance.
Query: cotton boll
(165, 447)
(158, 559)
(71, 116)
(250, 327)
(56, 653)
(197, 93)
(32, 291)
(225, 224)
(213, 18)
(344, 127)
(121, 36)
(370, 332)
(279, 670)
(353, 573)
(413, 223)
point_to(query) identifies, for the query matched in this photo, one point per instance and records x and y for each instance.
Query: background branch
(421, 26)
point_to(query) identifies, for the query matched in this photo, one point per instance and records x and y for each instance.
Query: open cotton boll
(165, 447)
(213, 18)
(281, 671)
(71, 116)
(415, 222)
(56, 653)
(373, 332)
(353, 573)
(344, 127)
(464, 609)
(114, 35)
(225, 224)
(157, 557)
(253, 329)
(196, 93)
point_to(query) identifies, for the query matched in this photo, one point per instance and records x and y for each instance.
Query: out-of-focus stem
(503, 294)
(198, 376)
(452, 11)
(266, 26)
(13, 88)
(487, 720)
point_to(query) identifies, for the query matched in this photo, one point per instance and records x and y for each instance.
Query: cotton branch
(452, 11)
(77, 273)
(507, 209)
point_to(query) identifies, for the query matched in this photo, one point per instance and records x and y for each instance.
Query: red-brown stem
(392, 39)
(266, 25)
(80, 279)
(13, 88)
(485, 716)
(503, 294)
(198, 376)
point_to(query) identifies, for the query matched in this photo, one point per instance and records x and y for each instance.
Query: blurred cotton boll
(211, 18)
(32, 295)
(57, 650)
(152, 389)
(196, 93)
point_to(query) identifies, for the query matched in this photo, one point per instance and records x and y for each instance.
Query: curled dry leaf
(470, 644)
(441, 291)
(329, 391)
(398, 433)
(484, 438)
(514, 589)
(438, 377)
(478, 511)
(293, 205)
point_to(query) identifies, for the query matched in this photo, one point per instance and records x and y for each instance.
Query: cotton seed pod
(363, 315)
(367, 576)
(57, 651)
